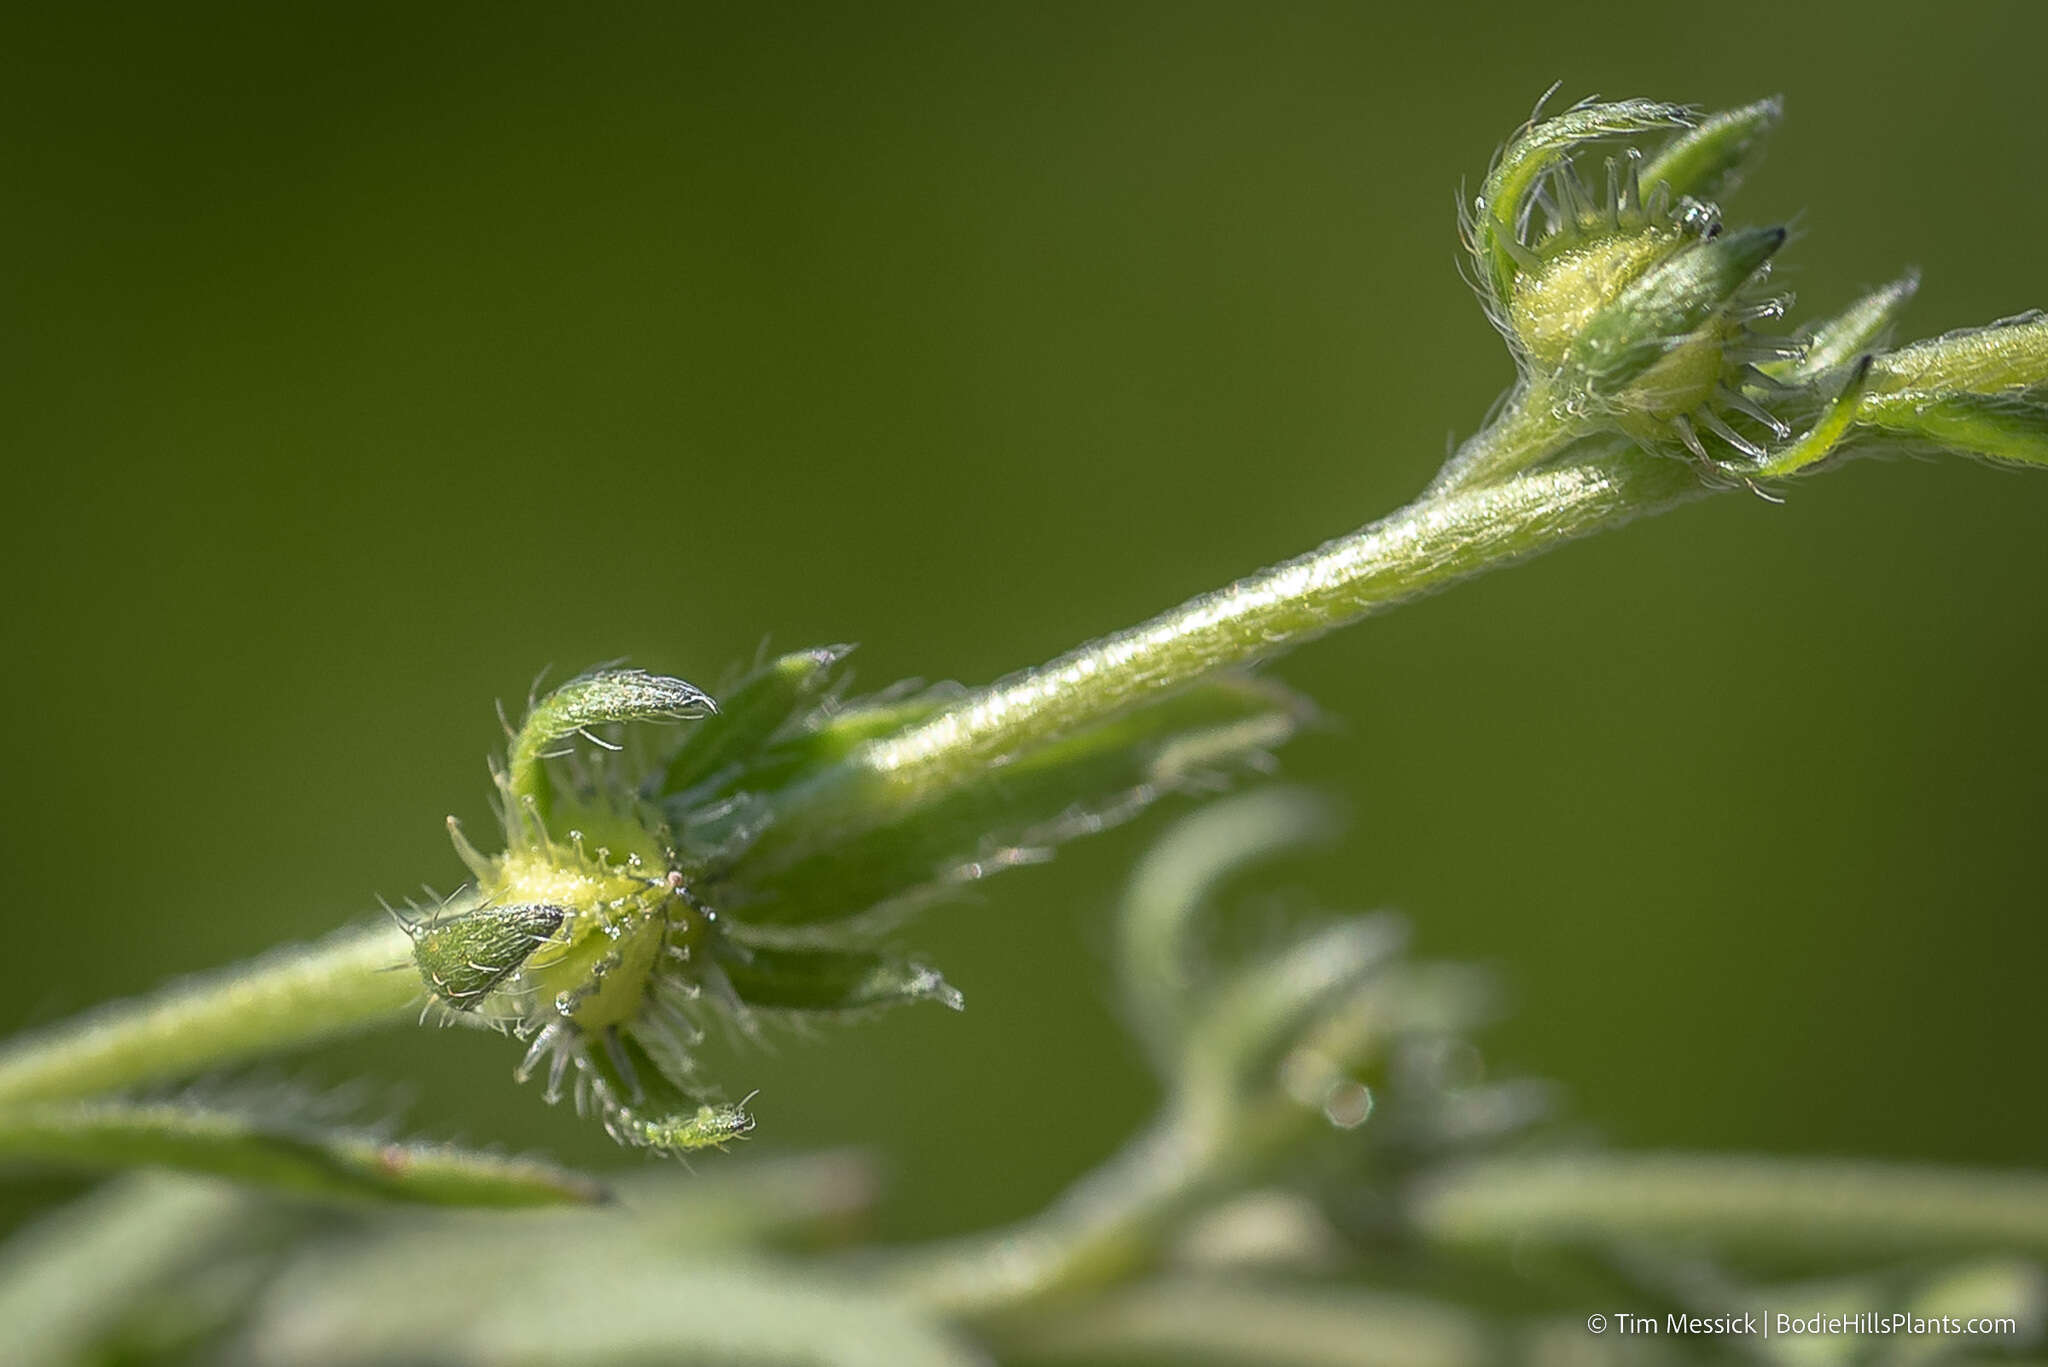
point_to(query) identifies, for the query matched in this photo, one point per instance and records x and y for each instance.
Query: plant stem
(1435, 541)
(349, 981)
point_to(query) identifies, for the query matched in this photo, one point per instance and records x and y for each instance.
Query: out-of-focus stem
(1820, 1205)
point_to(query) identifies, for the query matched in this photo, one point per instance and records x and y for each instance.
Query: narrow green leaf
(829, 980)
(755, 709)
(290, 1157)
(1850, 333)
(608, 695)
(1061, 789)
(1709, 161)
(1828, 432)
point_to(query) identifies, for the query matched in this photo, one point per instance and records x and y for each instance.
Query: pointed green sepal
(609, 695)
(753, 711)
(1820, 441)
(1708, 162)
(1850, 333)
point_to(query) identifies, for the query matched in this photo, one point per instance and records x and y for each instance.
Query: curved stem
(350, 981)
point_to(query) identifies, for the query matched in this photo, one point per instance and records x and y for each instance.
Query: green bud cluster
(1634, 311)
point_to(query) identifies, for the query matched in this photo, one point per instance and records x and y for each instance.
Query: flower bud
(1658, 347)
(1628, 309)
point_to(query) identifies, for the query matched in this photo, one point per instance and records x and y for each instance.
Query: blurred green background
(361, 363)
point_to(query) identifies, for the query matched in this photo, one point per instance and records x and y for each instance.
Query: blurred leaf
(68, 1281)
(1259, 1014)
(1159, 959)
(803, 1199)
(1188, 1319)
(593, 1294)
(290, 1157)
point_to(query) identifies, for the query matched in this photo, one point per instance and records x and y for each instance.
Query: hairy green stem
(1431, 543)
(349, 981)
